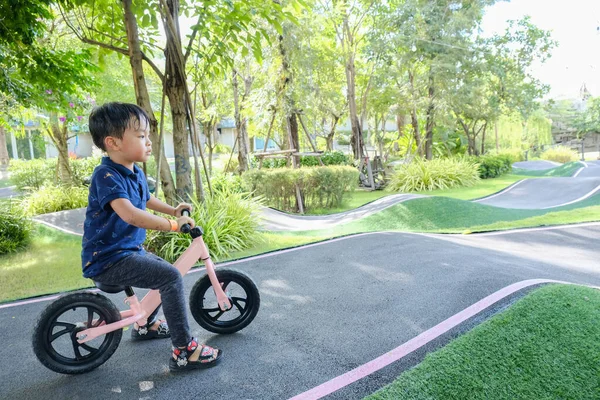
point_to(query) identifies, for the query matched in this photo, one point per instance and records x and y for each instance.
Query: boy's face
(135, 146)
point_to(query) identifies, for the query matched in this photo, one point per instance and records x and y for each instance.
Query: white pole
(13, 142)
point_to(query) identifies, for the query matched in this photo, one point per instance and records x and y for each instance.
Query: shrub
(328, 158)
(560, 154)
(321, 187)
(491, 166)
(515, 155)
(229, 222)
(32, 174)
(221, 148)
(435, 174)
(82, 168)
(29, 175)
(54, 198)
(15, 231)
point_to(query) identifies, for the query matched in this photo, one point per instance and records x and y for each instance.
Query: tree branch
(188, 49)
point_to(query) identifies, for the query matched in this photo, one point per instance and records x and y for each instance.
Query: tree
(589, 120)
(36, 72)
(350, 21)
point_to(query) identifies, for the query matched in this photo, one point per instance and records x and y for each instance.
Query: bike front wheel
(55, 333)
(244, 297)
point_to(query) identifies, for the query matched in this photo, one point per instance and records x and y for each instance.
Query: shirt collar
(122, 169)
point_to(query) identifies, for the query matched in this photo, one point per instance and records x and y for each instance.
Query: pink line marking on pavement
(416, 342)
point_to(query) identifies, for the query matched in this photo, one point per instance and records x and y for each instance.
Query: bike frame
(139, 310)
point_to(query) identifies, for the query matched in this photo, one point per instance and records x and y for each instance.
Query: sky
(574, 24)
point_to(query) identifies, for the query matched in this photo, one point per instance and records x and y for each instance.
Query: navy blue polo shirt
(106, 237)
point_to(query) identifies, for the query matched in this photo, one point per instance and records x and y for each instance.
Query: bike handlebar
(185, 228)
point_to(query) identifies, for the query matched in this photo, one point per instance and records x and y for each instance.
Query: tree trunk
(496, 132)
(483, 139)
(58, 135)
(208, 128)
(330, 136)
(175, 90)
(240, 126)
(430, 121)
(294, 139)
(143, 100)
(400, 122)
(414, 120)
(382, 138)
(356, 140)
(3, 149)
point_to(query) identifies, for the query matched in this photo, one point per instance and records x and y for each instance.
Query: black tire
(59, 350)
(242, 292)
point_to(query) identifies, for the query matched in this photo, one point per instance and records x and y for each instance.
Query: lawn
(51, 264)
(546, 346)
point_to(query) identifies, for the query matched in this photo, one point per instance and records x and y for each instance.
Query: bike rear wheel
(55, 333)
(244, 297)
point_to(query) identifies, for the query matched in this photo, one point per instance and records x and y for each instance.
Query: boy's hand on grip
(181, 207)
(181, 221)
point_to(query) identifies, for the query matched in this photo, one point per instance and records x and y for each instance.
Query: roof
(226, 123)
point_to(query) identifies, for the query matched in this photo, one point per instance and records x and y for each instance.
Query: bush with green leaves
(492, 166)
(82, 168)
(15, 231)
(515, 155)
(221, 148)
(328, 158)
(560, 154)
(440, 173)
(321, 187)
(228, 219)
(29, 175)
(52, 198)
(32, 174)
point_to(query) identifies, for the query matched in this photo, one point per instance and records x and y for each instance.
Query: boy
(115, 229)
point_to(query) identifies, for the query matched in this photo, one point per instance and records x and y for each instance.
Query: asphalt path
(326, 309)
(536, 164)
(541, 193)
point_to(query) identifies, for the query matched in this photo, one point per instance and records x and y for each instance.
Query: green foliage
(560, 154)
(435, 174)
(321, 187)
(328, 158)
(221, 148)
(82, 168)
(15, 231)
(515, 154)
(51, 198)
(228, 219)
(589, 120)
(31, 175)
(492, 166)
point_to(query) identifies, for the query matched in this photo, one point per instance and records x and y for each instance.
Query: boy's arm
(159, 206)
(136, 217)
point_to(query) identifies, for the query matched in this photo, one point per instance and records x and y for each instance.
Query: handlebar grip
(185, 228)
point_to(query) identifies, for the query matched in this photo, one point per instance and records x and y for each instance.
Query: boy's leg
(151, 272)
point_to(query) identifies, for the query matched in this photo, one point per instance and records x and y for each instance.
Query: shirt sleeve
(109, 186)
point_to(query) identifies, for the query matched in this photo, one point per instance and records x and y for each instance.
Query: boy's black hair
(111, 119)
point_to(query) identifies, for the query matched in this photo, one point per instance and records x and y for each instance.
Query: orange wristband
(174, 225)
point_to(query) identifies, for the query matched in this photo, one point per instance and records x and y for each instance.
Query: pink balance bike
(80, 331)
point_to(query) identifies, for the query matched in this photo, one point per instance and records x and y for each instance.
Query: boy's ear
(111, 143)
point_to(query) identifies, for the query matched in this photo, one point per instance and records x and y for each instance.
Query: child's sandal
(145, 333)
(209, 357)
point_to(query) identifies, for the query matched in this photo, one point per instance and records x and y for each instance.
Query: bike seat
(109, 288)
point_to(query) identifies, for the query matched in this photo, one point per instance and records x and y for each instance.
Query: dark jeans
(152, 272)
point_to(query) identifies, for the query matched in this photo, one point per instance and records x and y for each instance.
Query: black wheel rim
(60, 335)
(242, 303)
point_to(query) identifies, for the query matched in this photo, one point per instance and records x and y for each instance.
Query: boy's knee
(173, 276)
